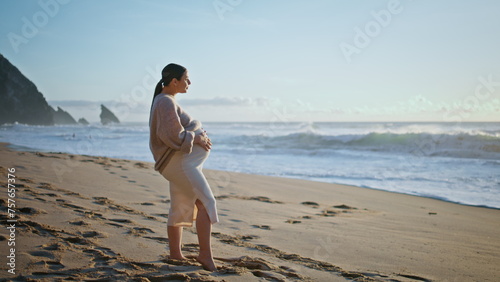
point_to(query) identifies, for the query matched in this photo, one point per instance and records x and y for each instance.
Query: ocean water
(448, 161)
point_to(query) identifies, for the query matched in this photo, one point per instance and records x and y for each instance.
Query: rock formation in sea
(63, 117)
(107, 116)
(21, 100)
(83, 121)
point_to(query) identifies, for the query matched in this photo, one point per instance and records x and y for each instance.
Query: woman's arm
(169, 128)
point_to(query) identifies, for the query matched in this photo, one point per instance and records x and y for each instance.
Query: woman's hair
(168, 73)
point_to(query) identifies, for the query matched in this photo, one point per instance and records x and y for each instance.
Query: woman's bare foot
(178, 257)
(207, 263)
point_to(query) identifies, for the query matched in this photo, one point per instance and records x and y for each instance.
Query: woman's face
(184, 82)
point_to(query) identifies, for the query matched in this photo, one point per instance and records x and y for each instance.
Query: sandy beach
(95, 218)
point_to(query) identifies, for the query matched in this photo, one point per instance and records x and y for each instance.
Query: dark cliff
(107, 116)
(63, 117)
(20, 99)
(83, 121)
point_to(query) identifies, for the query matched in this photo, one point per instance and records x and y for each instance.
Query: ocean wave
(481, 145)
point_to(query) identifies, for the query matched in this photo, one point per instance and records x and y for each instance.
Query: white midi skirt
(187, 184)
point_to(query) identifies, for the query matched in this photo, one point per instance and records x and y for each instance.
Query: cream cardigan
(170, 129)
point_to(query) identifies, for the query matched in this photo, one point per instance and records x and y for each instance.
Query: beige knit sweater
(170, 129)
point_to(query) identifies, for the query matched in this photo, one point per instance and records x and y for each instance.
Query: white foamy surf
(453, 162)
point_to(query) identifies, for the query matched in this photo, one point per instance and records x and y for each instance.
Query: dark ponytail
(168, 73)
(159, 87)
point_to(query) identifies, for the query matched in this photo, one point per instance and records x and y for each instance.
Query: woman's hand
(203, 140)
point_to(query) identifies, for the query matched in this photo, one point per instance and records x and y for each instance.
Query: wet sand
(96, 218)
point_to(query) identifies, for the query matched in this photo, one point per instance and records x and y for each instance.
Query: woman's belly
(196, 158)
(198, 151)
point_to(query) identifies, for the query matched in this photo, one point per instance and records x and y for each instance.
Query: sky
(321, 60)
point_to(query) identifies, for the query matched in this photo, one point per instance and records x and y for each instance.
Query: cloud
(76, 103)
(226, 101)
(187, 102)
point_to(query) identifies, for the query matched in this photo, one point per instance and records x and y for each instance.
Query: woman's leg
(204, 230)
(174, 241)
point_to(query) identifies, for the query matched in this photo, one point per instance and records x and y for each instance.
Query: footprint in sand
(74, 194)
(54, 247)
(21, 185)
(141, 165)
(328, 213)
(137, 231)
(183, 262)
(261, 268)
(27, 180)
(345, 207)
(158, 239)
(334, 212)
(30, 192)
(269, 275)
(165, 215)
(260, 264)
(121, 220)
(45, 254)
(265, 227)
(77, 240)
(79, 223)
(91, 214)
(93, 234)
(191, 247)
(101, 255)
(54, 265)
(31, 211)
(47, 186)
(293, 221)
(73, 206)
(311, 204)
(249, 237)
(263, 199)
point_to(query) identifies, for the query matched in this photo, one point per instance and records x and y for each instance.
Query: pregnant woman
(180, 147)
